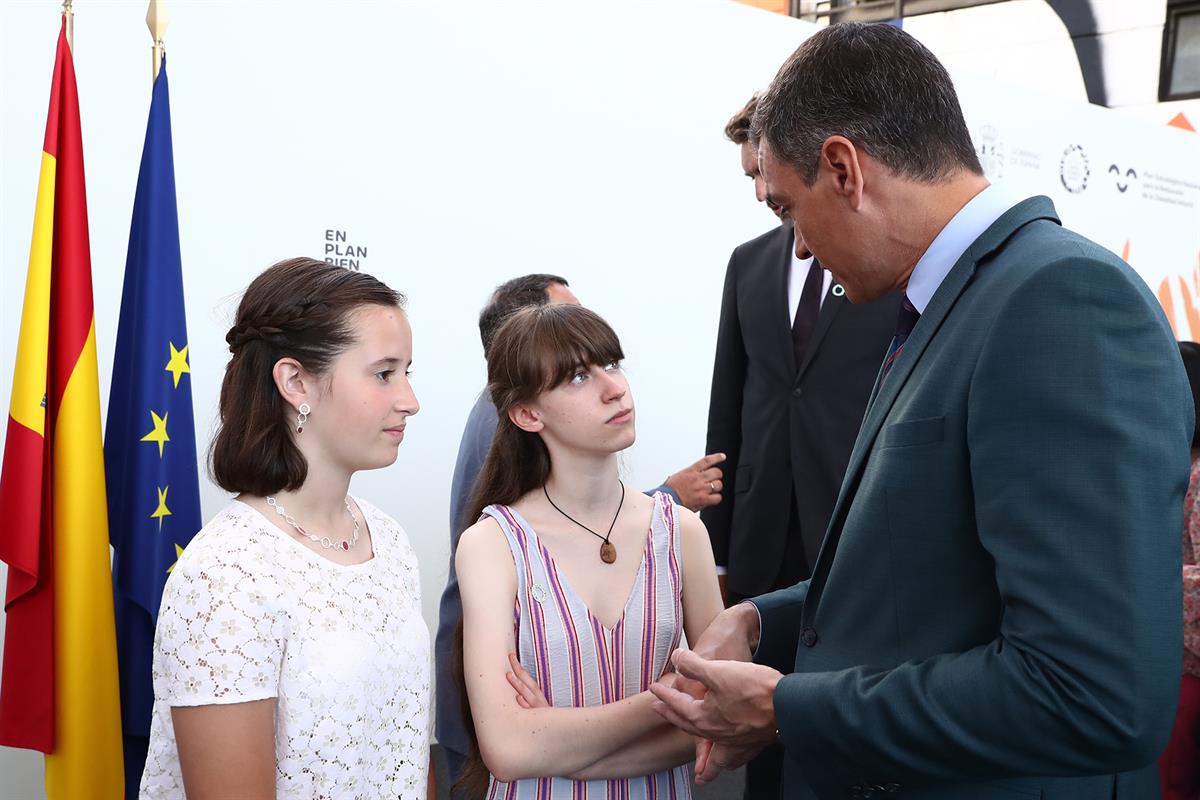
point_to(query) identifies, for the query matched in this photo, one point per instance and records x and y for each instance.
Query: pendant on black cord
(608, 552)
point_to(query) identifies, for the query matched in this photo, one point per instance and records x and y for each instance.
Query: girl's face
(591, 411)
(362, 407)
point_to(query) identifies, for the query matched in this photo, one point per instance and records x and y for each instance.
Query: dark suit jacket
(995, 612)
(778, 425)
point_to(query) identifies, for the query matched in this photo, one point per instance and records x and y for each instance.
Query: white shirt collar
(948, 246)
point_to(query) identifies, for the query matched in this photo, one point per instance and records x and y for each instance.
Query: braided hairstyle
(299, 308)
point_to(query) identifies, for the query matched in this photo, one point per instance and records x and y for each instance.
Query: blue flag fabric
(150, 439)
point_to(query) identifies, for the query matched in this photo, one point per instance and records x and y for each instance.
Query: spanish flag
(58, 688)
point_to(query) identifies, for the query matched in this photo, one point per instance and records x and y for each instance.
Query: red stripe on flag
(50, 144)
(71, 284)
(27, 683)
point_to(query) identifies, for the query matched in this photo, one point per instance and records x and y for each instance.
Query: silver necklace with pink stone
(324, 541)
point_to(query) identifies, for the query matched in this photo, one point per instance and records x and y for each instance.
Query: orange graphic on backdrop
(1184, 290)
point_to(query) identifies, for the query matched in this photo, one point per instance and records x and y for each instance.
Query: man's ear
(294, 383)
(526, 417)
(841, 166)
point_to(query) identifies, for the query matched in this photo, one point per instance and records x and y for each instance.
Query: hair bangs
(540, 347)
(568, 337)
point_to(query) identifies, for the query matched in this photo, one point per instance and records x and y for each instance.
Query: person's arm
(1078, 428)
(701, 595)
(696, 486)
(778, 631)
(227, 750)
(518, 742)
(217, 658)
(725, 413)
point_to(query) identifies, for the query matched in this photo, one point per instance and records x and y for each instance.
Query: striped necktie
(906, 320)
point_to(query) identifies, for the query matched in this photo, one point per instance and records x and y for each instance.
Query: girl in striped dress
(575, 592)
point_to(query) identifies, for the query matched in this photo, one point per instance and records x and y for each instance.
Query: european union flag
(150, 440)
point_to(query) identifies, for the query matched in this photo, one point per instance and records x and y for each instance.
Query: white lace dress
(249, 613)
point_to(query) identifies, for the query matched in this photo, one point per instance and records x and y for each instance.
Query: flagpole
(157, 21)
(69, 16)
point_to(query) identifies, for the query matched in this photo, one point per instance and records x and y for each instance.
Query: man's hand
(731, 636)
(720, 758)
(699, 485)
(738, 709)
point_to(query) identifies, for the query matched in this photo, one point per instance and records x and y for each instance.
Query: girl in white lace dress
(291, 659)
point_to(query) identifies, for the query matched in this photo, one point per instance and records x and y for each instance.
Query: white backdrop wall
(460, 144)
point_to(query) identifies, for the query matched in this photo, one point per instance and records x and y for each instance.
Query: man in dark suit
(995, 610)
(794, 366)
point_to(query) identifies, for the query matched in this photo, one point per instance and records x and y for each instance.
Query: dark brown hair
(299, 308)
(737, 130)
(536, 349)
(527, 290)
(877, 86)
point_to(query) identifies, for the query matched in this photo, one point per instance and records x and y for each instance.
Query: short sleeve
(220, 637)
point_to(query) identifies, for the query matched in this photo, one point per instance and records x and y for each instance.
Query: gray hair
(875, 85)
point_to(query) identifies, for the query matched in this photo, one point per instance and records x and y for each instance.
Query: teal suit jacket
(995, 611)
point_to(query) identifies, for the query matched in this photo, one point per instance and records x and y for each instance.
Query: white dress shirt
(797, 275)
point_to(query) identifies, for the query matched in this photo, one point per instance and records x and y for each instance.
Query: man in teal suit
(995, 610)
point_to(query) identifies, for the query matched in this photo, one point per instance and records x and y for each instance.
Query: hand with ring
(699, 485)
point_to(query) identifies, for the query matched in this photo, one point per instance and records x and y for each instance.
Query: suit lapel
(883, 398)
(829, 309)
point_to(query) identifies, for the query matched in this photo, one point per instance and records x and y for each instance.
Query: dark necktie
(807, 311)
(906, 320)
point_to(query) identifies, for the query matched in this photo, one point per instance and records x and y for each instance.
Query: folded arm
(518, 742)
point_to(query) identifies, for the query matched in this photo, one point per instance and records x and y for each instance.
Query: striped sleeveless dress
(578, 662)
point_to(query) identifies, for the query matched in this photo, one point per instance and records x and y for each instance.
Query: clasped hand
(720, 697)
(714, 694)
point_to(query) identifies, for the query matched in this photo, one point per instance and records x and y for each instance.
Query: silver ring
(712, 489)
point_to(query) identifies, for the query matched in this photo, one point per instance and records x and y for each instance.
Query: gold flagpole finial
(69, 15)
(157, 21)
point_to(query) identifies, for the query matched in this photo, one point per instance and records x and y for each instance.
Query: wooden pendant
(608, 552)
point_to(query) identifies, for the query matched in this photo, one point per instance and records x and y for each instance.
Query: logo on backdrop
(991, 152)
(342, 253)
(1073, 169)
(1122, 179)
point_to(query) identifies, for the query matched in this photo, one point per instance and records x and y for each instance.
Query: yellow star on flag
(162, 510)
(159, 434)
(178, 553)
(178, 363)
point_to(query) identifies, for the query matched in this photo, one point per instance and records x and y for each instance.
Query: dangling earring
(304, 410)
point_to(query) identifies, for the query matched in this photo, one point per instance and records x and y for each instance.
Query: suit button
(797, 392)
(809, 637)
